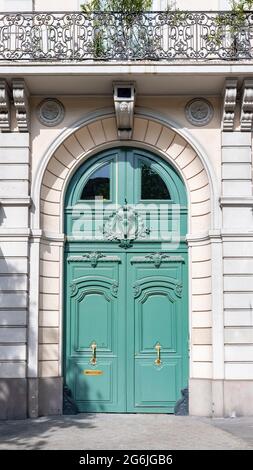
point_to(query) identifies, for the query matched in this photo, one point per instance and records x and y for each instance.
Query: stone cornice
(14, 233)
(236, 201)
(53, 237)
(238, 236)
(15, 202)
(195, 239)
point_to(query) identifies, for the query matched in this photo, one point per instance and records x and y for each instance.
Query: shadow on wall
(37, 434)
(13, 398)
(2, 215)
(85, 392)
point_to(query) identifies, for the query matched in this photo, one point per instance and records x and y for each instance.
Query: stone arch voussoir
(146, 132)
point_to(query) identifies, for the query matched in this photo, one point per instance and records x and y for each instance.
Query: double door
(126, 308)
(127, 344)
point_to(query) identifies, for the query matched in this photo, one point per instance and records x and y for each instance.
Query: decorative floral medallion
(199, 112)
(50, 112)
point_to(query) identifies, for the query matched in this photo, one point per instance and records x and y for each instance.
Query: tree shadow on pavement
(36, 433)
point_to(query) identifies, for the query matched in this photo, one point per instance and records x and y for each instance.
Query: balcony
(163, 37)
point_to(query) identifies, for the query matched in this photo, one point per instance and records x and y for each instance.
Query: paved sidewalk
(129, 431)
(239, 427)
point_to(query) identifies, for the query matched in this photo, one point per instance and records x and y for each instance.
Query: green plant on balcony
(232, 27)
(129, 11)
(123, 6)
(229, 32)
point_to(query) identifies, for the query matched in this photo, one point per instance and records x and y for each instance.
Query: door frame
(89, 163)
(48, 234)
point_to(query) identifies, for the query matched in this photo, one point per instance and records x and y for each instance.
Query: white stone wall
(50, 314)
(14, 253)
(159, 138)
(238, 254)
(220, 250)
(68, 5)
(16, 5)
(57, 5)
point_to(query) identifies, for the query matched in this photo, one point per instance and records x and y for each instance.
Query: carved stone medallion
(125, 225)
(199, 112)
(50, 112)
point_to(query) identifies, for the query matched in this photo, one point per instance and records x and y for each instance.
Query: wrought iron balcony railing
(149, 36)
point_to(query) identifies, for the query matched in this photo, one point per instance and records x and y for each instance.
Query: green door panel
(94, 308)
(96, 393)
(158, 318)
(126, 286)
(155, 319)
(94, 316)
(156, 388)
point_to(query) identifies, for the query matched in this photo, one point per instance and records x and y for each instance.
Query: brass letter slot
(93, 372)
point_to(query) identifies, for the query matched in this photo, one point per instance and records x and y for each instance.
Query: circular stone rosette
(50, 112)
(199, 112)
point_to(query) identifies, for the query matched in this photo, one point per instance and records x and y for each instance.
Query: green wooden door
(157, 351)
(95, 332)
(126, 307)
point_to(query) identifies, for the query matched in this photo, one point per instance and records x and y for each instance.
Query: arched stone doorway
(126, 284)
(155, 136)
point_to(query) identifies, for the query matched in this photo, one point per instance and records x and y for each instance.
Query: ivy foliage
(234, 20)
(238, 6)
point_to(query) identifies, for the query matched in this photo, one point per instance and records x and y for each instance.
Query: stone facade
(36, 164)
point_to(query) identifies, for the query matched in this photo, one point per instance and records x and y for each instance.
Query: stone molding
(21, 104)
(247, 106)
(5, 106)
(140, 112)
(147, 133)
(236, 201)
(9, 233)
(15, 202)
(124, 109)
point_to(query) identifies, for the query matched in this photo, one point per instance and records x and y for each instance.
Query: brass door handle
(158, 359)
(94, 353)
